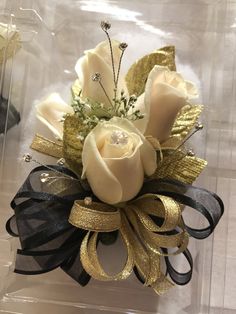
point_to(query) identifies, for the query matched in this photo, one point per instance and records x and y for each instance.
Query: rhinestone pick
(44, 177)
(190, 153)
(198, 126)
(123, 46)
(105, 25)
(96, 77)
(27, 157)
(61, 162)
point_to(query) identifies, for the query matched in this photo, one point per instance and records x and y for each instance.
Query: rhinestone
(61, 162)
(198, 126)
(119, 137)
(44, 177)
(27, 157)
(123, 46)
(96, 77)
(88, 200)
(105, 25)
(190, 153)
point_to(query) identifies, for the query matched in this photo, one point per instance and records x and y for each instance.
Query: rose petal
(51, 111)
(102, 182)
(129, 173)
(99, 60)
(103, 50)
(165, 94)
(86, 68)
(148, 154)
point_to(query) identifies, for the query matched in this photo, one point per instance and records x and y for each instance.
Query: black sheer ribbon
(9, 116)
(49, 241)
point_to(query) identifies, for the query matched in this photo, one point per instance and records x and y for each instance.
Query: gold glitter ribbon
(100, 217)
(46, 146)
(142, 241)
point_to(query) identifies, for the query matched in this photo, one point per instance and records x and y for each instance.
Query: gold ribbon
(141, 236)
(98, 218)
(46, 146)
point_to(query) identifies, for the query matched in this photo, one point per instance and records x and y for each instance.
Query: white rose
(98, 60)
(115, 158)
(165, 94)
(51, 112)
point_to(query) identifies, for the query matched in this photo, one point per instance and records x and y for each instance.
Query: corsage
(122, 170)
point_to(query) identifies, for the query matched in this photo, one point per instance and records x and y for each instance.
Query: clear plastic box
(54, 34)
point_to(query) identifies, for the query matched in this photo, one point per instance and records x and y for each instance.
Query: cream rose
(166, 92)
(51, 112)
(98, 60)
(115, 158)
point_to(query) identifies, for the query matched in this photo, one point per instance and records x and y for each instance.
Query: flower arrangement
(122, 169)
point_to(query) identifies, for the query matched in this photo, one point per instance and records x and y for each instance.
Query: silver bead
(190, 153)
(61, 162)
(123, 46)
(27, 157)
(105, 25)
(198, 126)
(88, 200)
(96, 77)
(44, 177)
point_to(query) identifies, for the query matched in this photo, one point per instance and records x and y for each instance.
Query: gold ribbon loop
(91, 264)
(143, 241)
(159, 206)
(97, 217)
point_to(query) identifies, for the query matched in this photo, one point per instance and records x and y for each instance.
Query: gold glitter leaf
(185, 121)
(138, 73)
(176, 165)
(72, 146)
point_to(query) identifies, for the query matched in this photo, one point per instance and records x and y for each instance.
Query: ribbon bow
(58, 228)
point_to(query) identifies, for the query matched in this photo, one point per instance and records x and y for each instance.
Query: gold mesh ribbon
(142, 241)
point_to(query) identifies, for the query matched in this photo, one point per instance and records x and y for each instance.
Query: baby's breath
(91, 113)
